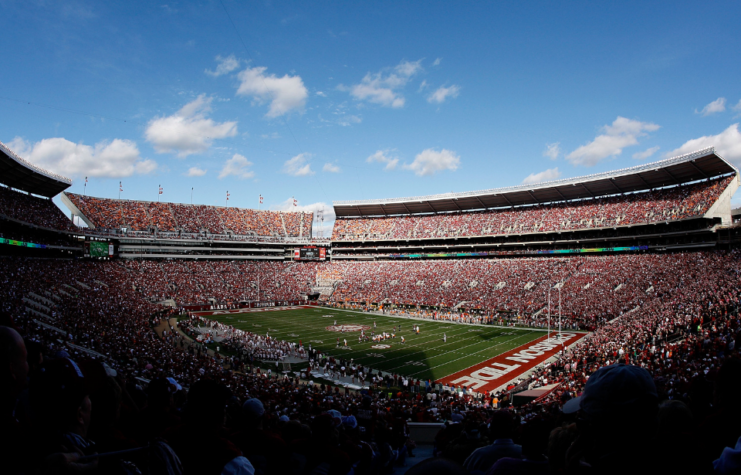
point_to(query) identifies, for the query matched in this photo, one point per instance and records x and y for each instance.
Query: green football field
(423, 356)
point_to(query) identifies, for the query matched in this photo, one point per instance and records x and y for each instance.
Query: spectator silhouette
(200, 443)
(501, 431)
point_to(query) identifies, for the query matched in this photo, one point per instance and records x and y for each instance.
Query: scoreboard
(98, 249)
(310, 253)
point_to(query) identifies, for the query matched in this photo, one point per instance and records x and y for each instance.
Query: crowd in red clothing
(33, 210)
(228, 282)
(683, 332)
(147, 215)
(594, 289)
(668, 204)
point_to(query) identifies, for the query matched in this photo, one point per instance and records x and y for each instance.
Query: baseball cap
(336, 416)
(253, 407)
(350, 422)
(173, 382)
(613, 390)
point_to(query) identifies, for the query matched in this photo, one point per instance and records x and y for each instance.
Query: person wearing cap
(264, 449)
(160, 414)
(617, 421)
(61, 399)
(200, 443)
(322, 451)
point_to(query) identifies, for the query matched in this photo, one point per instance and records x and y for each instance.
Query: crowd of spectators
(160, 217)
(95, 326)
(668, 204)
(215, 410)
(594, 289)
(220, 282)
(143, 216)
(33, 210)
(685, 338)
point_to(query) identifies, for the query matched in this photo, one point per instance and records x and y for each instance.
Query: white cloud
(726, 143)
(189, 130)
(646, 153)
(273, 135)
(442, 93)
(547, 175)
(225, 66)
(382, 156)
(407, 69)
(321, 94)
(422, 86)
(298, 165)
(382, 87)
(437, 62)
(116, 159)
(237, 166)
(431, 161)
(737, 107)
(622, 133)
(552, 150)
(718, 105)
(328, 167)
(195, 171)
(348, 120)
(329, 216)
(285, 94)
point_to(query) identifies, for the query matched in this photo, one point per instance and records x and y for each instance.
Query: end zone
(489, 375)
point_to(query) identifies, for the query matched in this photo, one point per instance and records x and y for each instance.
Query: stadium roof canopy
(17, 173)
(693, 166)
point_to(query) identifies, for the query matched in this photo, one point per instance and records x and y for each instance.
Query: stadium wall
(722, 207)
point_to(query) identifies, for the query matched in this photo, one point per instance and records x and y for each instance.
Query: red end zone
(491, 374)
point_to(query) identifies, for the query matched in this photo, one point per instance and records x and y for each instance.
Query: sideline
(420, 319)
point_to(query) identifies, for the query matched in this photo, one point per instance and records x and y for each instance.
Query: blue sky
(340, 100)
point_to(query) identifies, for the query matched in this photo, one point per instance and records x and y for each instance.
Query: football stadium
(489, 300)
(354, 238)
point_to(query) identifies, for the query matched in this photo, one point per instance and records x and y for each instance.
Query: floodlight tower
(549, 313)
(559, 315)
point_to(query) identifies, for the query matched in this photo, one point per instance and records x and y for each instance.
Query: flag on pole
(85, 179)
(160, 189)
(227, 195)
(295, 202)
(260, 199)
(120, 186)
